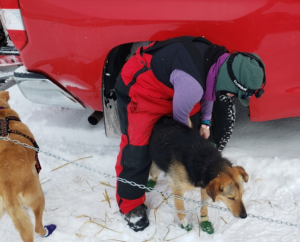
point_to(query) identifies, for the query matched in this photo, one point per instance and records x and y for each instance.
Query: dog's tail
(19, 216)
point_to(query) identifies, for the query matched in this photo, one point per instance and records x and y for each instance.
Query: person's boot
(137, 218)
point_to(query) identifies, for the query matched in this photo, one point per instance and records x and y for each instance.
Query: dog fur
(19, 181)
(190, 161)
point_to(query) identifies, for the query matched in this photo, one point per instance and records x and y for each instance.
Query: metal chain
(204, 203)
(275, 221)
(114, 177)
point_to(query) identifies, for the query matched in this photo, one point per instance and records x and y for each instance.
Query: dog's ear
(243, 173)
(4, 95)
(213, 189)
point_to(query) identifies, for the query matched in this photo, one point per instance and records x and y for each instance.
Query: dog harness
(5, 130)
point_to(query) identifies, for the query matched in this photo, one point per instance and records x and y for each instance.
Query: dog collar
(1, 107)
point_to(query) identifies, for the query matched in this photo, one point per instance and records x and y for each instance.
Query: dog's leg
(19, 216)
(203, 210)
(179, 204)
(38, 209)
(33, 198)
(206, 225)
(36, 201)
(37, 205)
(154, 172)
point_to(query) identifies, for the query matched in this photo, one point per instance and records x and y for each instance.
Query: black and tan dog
(19, 180)
(189, 161)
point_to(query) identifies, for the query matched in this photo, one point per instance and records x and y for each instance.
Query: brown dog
(190, 161)
(19, 180)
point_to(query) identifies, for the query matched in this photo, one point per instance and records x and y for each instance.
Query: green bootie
(188, 227)
(151, 184)
(185, 224)
(206, 226)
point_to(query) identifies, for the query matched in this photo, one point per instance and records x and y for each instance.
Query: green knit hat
(247, 72)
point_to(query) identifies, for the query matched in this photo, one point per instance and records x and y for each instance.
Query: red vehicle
(72, 51)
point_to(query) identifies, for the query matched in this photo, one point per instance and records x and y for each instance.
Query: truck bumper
(39, 89)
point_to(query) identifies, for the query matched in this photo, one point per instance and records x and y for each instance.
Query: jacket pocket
(133, 104)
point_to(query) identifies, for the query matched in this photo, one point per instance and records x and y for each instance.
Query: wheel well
(114, 63)
(116, 59)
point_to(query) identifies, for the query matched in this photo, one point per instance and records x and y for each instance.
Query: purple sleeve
(187, 92)
(206, 109)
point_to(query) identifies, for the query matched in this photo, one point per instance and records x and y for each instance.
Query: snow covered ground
(76, 198)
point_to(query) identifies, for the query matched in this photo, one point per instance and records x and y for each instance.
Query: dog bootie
(185, 224)
(206, 225)
(49, 229)
(151, 184)
(137, 218)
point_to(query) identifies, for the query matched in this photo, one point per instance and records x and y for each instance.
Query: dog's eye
(231, 198)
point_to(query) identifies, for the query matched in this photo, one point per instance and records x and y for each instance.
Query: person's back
(176, 57)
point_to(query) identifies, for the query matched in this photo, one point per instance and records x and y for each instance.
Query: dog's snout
(243, 213)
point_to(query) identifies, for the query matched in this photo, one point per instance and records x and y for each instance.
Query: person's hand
(204, 131)
(190, 123)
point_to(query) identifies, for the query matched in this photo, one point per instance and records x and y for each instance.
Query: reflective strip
(13, 19)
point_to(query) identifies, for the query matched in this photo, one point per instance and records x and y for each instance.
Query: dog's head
(4, 97)
(228, 188)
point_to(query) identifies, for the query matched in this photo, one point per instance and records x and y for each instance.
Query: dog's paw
(207, 227)
(188, 227)
(151, 184)
(185, 224)
(49, 229)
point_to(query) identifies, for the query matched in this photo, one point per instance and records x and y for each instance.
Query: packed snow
(82, 203)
